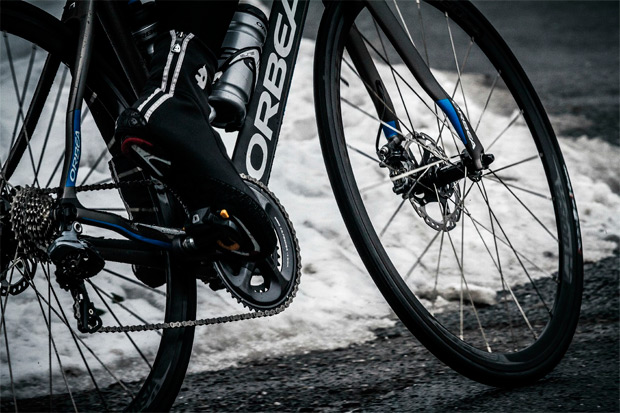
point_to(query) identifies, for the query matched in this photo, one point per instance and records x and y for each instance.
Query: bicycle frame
(257, 140)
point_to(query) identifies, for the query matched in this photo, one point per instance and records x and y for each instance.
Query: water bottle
(143, 23)
(238, 67)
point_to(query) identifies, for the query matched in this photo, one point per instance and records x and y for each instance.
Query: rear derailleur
(76, 260)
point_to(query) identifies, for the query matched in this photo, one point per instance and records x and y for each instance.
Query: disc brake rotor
(267, 284)
(419, 187)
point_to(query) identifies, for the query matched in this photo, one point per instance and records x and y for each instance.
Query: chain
(175, 324)
(201, 322)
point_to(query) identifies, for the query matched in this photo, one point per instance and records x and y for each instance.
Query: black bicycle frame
(257, 140)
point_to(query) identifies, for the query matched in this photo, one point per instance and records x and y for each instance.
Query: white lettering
(273, 82)
(76, 157)
(262, 119)
(274, 76)
(257, 140)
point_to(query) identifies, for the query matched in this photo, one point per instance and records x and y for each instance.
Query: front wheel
(486, 270)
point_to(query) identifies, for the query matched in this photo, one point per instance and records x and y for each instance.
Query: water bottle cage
(247, 54)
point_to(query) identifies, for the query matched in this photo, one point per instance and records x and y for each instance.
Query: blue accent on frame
(158, 243)
(448, 109)
(390, 132)
(76, 150)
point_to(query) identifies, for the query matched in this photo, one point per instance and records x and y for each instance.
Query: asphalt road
(395, 373)
(570, 50)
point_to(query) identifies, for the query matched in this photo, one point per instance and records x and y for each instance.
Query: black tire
(535, 273)
(149, 372)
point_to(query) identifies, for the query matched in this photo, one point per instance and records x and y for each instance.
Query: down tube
(257, 141)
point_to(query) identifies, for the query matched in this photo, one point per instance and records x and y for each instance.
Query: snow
(337, 303)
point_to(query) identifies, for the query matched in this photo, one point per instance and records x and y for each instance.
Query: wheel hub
(421, 182)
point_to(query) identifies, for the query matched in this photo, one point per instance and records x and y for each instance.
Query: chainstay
(186, 323)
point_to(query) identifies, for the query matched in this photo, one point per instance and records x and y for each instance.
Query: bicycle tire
(458, 344)
(162, 381)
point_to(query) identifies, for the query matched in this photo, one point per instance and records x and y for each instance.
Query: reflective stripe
(164, 79)
(175, 77)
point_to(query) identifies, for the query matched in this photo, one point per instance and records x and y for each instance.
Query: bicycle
(475, 185)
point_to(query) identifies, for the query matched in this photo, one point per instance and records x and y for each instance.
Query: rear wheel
(485, 271)
(46, 363)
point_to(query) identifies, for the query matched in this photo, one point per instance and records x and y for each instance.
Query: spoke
(52, 117)
(543, 196)
(75, 341)
(95, 165)
(471, 300)
(459, 263)
(434, 112)
(510, 124)
(6, 344)
(422, 168)
(531, 158)
(514, 298)
(20, 112)
(49, 335)
(478, 223)
(499, 268)
(134, 282)
(526, 208)
(371, 89)
(421, 256)
(103, 181)
(63, 319)
(406, 197)
(456, 63)
(434, 295)
(456, 87)
(121, 305)
(22, 97)
(400, 94)
(375, 185)
(62, 370)
(121, 325)
(517, 256)
(364, 154)
(6, 300)
(403, 22)
(400, 205)
(423, 33)
(354, 106)
(58, 163)
(486, 104)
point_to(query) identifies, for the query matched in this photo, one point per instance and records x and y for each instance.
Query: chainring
(258, 289)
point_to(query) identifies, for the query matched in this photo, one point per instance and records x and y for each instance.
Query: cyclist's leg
(169, 125)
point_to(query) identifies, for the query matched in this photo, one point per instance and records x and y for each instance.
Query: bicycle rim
(47, 363)
(488, 274)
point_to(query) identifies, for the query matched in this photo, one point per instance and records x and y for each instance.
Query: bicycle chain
(186, 323)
